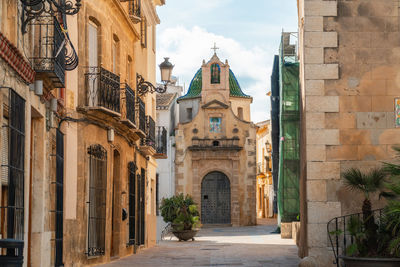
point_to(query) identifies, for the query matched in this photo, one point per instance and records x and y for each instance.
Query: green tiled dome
(196, 86)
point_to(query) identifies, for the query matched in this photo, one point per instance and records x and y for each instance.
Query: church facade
(216, 147)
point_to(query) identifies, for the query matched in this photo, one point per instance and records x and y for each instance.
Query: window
(215, 125)
(129, 70)
(12, 180)
(143, 32)
(93, 63)
(132, 202)
(215, 73)
(97, 200)
(189, 112)
(153, 41)
(115, 54)
(215, 143)
(240, 113)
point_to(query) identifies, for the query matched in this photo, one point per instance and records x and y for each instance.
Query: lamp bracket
(143, 87)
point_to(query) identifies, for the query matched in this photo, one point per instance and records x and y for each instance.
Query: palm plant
(366, 183)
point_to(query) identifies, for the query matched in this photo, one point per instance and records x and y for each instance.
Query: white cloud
(188, 47)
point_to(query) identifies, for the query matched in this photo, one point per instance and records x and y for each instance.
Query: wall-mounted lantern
(144, 86)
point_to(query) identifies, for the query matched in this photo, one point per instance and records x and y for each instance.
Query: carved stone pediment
(215, 104)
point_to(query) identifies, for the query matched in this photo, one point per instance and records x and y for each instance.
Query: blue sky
(247, 33)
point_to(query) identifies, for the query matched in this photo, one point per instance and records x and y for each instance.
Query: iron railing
(49, 49)
(142, 114)
(150, 139)
(128, 95)
(339, 235)
(215, 144)
(135, 10)
(103, 89)
(161, 141)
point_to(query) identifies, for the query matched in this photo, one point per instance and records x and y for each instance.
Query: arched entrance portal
(216, 199)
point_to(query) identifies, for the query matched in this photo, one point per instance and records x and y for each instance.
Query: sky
(247, 33)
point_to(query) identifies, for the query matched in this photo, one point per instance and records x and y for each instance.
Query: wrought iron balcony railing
(215, 144)
(135, 10)
(161, 141)
(128, 104)
(48, 56)
(102, 89)
(150, 139)
(142, 114)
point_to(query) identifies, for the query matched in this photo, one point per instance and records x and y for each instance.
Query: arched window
(215, 73)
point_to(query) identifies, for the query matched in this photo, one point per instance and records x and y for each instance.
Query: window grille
(12, 184)
(59, 197)
(132, 202)
(143, 35)
(97, 200)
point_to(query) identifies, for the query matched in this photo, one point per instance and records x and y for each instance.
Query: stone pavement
(225, 246)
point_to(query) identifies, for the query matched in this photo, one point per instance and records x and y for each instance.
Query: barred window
(97, 200)
(12, 170)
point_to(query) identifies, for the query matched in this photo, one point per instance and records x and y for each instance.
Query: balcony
(215, 144)
(128, 106)
(135, 11)
(148, 143)
(48, 55)
(102, 91)
(161, 143)
(261, 168)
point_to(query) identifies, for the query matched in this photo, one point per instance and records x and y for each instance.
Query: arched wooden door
(215, 199)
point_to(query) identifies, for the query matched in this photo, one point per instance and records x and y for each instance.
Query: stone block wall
(349, 81)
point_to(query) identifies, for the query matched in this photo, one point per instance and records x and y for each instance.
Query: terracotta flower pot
(185, 235)
(370, 262)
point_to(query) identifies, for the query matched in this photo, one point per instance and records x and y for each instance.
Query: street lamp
(144, 86)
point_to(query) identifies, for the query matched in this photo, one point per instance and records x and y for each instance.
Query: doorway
(216, 199)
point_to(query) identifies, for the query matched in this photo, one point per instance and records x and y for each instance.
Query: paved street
(230, 246)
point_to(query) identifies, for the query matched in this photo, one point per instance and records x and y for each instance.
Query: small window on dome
(215, 73)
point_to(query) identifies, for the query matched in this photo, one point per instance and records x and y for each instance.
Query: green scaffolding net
(289, 162)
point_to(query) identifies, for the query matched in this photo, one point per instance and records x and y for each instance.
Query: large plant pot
(370, 262)
(185, 235)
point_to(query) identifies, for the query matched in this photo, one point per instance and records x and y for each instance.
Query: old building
(109, 156)
(33, 65)
(216, 147)
(265, 188)
(349, 75)
(166, 122)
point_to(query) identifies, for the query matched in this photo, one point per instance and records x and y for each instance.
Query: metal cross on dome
(215, 48)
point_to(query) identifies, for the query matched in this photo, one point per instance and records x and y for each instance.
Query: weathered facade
(216, 147)
(110, 176)
(349, 83)
(265, 188)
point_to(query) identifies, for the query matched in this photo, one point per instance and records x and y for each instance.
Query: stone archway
(215, 199)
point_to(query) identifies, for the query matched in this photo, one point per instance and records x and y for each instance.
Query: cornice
(149, 10)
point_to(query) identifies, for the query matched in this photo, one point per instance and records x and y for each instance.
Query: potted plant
(182, 213)
(376, 242)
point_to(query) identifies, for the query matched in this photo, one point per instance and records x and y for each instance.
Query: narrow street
(230, 246)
